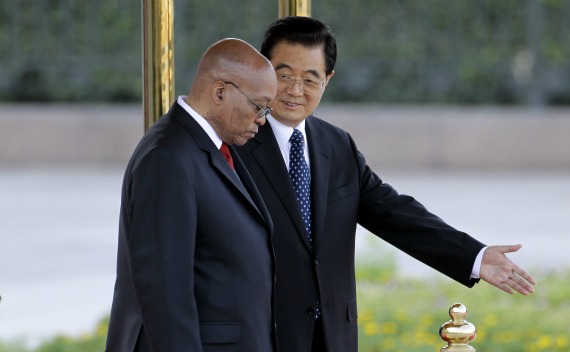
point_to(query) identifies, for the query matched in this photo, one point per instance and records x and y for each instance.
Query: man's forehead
(285, 67)
(299, 58)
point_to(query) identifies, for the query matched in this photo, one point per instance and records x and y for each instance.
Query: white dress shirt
(283, 133)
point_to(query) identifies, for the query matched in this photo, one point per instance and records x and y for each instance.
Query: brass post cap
(457, 332)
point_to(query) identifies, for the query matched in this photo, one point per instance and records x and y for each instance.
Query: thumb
(509, 248)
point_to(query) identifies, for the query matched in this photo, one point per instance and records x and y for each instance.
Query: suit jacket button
(316, 262)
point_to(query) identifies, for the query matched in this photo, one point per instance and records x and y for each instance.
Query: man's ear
(329, 78)
(218, 92)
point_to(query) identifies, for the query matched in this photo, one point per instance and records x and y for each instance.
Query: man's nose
(260, 121)
(296, 89)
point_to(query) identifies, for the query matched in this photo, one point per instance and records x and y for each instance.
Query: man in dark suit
(195, 268)
(317, 187)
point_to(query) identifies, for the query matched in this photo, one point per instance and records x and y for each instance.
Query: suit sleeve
(409, 226)
(163, 215)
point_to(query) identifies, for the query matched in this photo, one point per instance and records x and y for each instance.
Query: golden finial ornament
(458, 332)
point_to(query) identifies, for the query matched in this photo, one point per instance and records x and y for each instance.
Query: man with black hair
(317, 188)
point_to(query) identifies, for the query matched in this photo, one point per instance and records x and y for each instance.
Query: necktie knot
(227, 155)
(296, 138)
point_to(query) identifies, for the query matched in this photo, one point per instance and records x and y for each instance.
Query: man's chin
(239, 141)
(289, 119)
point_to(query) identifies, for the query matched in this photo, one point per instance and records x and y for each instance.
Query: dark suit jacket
(195, 269)
(344, 192)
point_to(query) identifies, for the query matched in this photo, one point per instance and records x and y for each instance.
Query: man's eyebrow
(280, 66)
(311, 71)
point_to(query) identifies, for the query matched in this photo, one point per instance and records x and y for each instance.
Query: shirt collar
(283, 133)
(201, 121)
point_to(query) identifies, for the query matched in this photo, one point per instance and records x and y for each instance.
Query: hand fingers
(515, 283)
(498, 270)
(524, 281)
(505, 287)
(523, 274)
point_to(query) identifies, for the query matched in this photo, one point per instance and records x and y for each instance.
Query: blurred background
(463, 104)
(435, 51)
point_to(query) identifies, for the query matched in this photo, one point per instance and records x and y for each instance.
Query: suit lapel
(319, 151)
(216, 159)
(221, 165)
(252, 190)
(269, 160)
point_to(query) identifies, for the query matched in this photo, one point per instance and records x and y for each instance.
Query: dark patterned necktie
(301, 178)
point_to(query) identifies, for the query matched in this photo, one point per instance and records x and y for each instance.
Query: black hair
(306, 31)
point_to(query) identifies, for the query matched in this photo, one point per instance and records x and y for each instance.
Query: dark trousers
(318, 337)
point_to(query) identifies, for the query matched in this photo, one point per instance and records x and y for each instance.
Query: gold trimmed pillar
(294, 8)
(158, 58)
(158, 52)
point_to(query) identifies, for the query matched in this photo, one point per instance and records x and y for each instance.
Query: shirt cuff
(475, 273)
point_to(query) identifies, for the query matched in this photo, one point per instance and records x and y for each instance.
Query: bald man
(195, 267)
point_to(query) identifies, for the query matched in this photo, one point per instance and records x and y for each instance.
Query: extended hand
(501, 272)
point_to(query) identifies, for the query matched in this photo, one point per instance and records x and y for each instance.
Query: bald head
(232, 60)
(232, 76)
